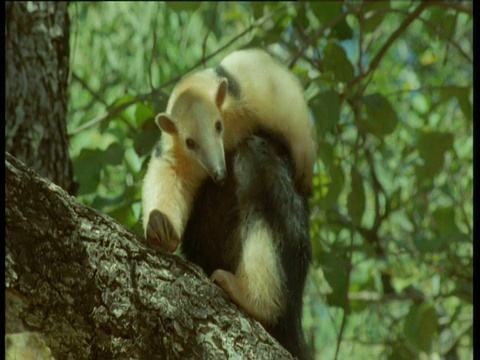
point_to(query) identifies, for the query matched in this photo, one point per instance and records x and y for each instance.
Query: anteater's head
(196, 121)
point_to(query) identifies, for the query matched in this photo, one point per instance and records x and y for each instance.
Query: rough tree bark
(90, 289)
(79, 285)
(36, 75)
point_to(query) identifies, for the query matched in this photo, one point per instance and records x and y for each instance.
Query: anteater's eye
(190, 143)
(218, 126)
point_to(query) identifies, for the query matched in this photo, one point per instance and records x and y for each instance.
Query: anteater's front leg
(166, 205)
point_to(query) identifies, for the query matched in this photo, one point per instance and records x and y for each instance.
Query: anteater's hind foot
(232, 287)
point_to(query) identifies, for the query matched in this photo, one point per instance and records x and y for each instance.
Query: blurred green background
(390, 87)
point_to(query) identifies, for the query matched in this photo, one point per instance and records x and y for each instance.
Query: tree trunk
(90, 289)
(36, 96)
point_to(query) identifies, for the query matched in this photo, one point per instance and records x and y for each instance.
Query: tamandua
(210, 112)
(251, 235)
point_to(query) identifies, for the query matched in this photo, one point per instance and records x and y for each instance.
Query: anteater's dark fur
(260, 182)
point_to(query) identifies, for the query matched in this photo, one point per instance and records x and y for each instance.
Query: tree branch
(440, 33)
(92, 289)
(96, 96)
(376, 60)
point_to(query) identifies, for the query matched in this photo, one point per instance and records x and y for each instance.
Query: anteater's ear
(221, 92)
(165, 123)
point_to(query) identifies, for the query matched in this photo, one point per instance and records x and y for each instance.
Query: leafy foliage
(390, 88)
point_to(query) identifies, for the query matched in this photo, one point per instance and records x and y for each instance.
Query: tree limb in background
(395, 35)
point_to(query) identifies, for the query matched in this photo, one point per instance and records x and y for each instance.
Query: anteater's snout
(219, 176)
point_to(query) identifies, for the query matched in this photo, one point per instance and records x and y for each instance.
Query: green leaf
(301, 17)
(464, 290)
(115, 122)
(137, 228)
(336, 61)
(87, 170)
(432, 146)
(317, 248)
(257, 8)
(327, 79)
(123, 214)
(123, 100)
(113, 155)
(334, 186)
(462, 96)
(399, 351)
(447, 92)
(327, 11)
(440, 243)
(421, 325)
(90, 162)
(143, 113)
(361, 279)
(356, 197)
(273, 35)
(341, 31)
(381, 118)
(430, 245)
(445, 219)
(395, 199)
(465, 104)
(444, 21)
(373, 18)
(327, 153)
(178, 6)
(334, 265)
(145, 140)
(326, 107)
(159, 104)
(375, 5)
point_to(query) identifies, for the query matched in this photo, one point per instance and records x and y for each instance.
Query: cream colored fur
(274, 96)
(260, 273)
(257, 285)
(170, 185)
(271, 99)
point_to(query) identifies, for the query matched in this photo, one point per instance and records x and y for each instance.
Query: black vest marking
(233, 86)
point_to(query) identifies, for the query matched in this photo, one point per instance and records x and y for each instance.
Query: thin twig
(97, 97)
(396, 34)
(377, 189)
(317, 36)
(209, 30)
(426, 208)
(371, 296)
(154, 46)
(442, 35)
(361, 24)
(422, 89)
(353, 230)
(113, 111)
